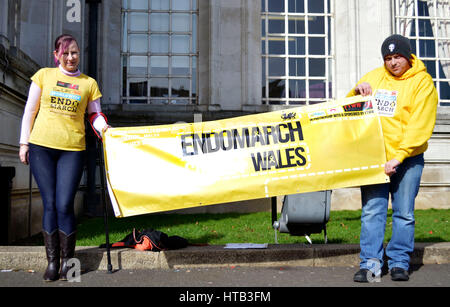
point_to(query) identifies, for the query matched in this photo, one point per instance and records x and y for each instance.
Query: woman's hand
(105, 128)
(363, 89)
(24, 153)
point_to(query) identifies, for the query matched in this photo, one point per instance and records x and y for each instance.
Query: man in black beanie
(406, 101)
(396, 44)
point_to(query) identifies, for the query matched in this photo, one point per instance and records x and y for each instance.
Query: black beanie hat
(396, 44)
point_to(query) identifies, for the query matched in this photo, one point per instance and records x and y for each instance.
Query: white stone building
(163, 61)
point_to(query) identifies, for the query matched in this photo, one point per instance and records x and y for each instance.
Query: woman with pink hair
(52, 141)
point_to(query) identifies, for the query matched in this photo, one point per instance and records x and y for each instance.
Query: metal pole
(274, 209)
(275, 223)
(105, 210)
(30, 199)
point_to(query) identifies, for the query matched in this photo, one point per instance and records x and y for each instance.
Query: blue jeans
(403, 188)
(57, 174)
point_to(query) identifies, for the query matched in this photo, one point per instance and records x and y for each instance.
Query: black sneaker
(361, 276)
(399, 274)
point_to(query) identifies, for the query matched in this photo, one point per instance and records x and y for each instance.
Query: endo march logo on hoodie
(386, 102)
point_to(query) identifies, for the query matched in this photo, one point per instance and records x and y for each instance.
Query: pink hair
(62, 42)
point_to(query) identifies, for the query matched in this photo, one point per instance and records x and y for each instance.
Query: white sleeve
(29, 114)
(94, 106)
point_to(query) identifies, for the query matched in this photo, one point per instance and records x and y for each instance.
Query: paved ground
(431, 275)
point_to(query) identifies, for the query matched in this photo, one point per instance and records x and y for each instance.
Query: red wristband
(92, 118)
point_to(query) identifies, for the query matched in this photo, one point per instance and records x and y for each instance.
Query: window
(159, 51)
(427, 25)
(296, 51)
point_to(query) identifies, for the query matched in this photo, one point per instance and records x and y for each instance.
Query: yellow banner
(311, 148)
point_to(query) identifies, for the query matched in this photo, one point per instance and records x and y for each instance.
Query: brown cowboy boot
(51, 242)
(67, 244)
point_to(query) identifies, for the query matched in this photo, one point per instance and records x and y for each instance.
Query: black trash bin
(6, 176)
(304, 214)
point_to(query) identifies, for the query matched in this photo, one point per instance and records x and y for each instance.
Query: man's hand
(363, 89)
(390, 168)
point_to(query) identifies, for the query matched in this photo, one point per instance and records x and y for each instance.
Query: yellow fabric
(407, 107)
(319, 147)
(60, 121)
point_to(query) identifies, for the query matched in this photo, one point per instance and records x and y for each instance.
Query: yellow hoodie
(407, 107)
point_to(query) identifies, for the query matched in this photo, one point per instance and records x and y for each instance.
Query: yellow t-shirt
(60, 121)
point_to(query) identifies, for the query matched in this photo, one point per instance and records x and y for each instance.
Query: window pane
(124, 76)
(315, 6)
(159, 4)
(297, 89)
(413, 46)
(194, 33)
(444, 92)
(316, 25)
(296, 24)
(317, 67)
(425, 29)
(159, 22)
(316, 89)
(138, 88)
(125, 33)
(276, 45)
(263, 79)
(276, 24)
(296, 67)
(159, 65)
(406, 23)
(424, 25)
(180, 5)
(194, 76)
(277, 88)
(138, 21)
(263, 27)
(180, 22)
(296, 6)
(297, 45)
(159, 43)
(180, 65)
(317, 45)
(138, 43)
(427, 48)
(137, 4)
(276, 5)
(444, 45)
(159, 87)
(431, 68)
(138, 65)
(180, 43)
(276, 67)
(180, 87)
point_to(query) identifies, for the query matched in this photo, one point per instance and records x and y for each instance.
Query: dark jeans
(57, 174)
